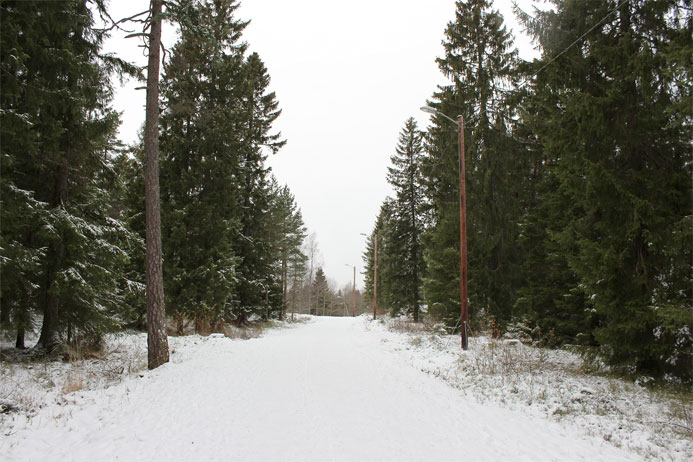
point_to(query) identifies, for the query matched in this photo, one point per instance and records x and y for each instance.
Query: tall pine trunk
(157, 342)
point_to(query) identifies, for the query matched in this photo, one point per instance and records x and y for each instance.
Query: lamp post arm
(449, 118)
(432, 110)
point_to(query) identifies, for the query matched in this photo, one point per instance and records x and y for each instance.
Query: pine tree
(157, 342)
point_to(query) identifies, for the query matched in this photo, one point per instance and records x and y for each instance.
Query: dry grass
(242, 333)
(496, 357)
(73, 382)
(564, 384)
(679, 416)
(405, 325)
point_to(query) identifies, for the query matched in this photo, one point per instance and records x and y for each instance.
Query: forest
(578, 183)
(73, 215)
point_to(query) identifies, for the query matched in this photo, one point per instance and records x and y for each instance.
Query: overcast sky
(347, 76)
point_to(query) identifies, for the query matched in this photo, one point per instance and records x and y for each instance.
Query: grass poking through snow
(556, 384)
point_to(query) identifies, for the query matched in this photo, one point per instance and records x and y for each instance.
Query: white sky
(347, 76)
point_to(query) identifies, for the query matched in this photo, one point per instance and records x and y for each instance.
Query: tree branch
(116, 24)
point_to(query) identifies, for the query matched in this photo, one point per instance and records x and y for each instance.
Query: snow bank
(550, 384)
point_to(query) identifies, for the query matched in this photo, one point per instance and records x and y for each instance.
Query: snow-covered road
(327, 390)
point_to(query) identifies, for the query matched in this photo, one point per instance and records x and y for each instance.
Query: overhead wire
(572, 44)
(565, 50)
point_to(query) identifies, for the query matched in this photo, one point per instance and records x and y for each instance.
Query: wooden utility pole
(282, 313)
(463, 235)
(157, 341)
(353, 295)
(464, 321)
(375, 277)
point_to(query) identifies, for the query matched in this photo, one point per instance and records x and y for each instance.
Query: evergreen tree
(387, 265)
(406, 249)
(259, 110)
(368, 258)
(200, 148)
(322, 298)
(620, 150)
(128, 195)
(481, 64)
(297, 266)
(58, 135)
(219, 245)
(287, 233)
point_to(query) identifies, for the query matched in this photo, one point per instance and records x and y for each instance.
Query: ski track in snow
(324, 391)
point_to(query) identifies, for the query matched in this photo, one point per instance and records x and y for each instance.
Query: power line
(601, 21)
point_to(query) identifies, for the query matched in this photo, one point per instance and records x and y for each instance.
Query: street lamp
(463, 221)
(375, 273)
(353, 294)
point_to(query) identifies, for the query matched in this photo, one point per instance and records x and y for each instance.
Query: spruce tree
(200, 160)
(321, 293)
(58, 134)
(620, 147)
(259, 109)
(481, 64)
(407, 227)
(219, 246)
(287, 232)
(387, 265)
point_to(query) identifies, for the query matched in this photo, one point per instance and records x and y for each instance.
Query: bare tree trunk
(157, 342)
(19, 343)
(282, 313)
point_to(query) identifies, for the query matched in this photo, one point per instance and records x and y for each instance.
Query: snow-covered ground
(329, 389)
(551, 384)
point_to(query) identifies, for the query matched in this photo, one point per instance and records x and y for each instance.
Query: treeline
(72, 199)
(578, 174)
(312, 293)
(319, 297)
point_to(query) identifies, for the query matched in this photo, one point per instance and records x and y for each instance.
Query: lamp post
(353, 293)
(375, 274)
(463, 222)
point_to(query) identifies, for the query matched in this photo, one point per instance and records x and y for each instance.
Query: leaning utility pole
(157, 341)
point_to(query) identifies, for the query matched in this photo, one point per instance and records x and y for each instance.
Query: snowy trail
(325, 391)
